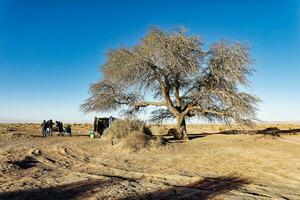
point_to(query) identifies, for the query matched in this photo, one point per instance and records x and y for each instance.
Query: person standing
(50, 126)
(43, 128)
(60, 128)
(57, 125)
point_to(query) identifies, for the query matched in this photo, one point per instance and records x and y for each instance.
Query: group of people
(60, 127)
(47, 128)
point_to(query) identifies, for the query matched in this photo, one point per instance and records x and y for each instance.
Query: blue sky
(50, 50)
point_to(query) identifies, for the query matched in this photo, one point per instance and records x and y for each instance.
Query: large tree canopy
(183, 79)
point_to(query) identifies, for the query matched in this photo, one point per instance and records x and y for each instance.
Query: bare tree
(182, 79)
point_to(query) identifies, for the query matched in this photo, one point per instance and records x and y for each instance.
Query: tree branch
(177, 95)
(165, 88)
(147, 103)
(204, 111)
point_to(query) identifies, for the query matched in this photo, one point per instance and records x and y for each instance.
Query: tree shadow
(276, 131)
(198, 135)
(66, 192)
(270, 131)
(172, 139)
(204, 189)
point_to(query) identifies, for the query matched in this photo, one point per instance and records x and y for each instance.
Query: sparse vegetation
(132, 134)
(121, 128)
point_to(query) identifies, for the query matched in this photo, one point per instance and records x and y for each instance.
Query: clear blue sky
(50, 49)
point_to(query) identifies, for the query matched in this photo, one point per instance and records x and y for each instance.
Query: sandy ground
(210, 166)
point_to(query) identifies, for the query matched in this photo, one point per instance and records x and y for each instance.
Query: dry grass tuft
(121, 128)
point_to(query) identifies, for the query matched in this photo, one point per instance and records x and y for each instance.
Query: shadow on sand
(271, 131)
(26, 163)
(68, 191)
(204, 189)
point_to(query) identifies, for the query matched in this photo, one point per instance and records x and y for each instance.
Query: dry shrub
(135, 141)
(121, 128)
(131, 134)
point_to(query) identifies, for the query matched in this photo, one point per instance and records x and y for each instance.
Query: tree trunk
(181, 128)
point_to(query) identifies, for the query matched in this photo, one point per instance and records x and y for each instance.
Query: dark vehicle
(100, 124)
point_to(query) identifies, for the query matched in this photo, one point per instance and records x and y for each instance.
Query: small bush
(121, 128)
(135, 141)
(131, 134)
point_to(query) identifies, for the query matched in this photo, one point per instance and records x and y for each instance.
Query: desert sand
(212, 165)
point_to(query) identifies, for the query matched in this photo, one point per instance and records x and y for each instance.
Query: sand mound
(136, 141)
(132, 135)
